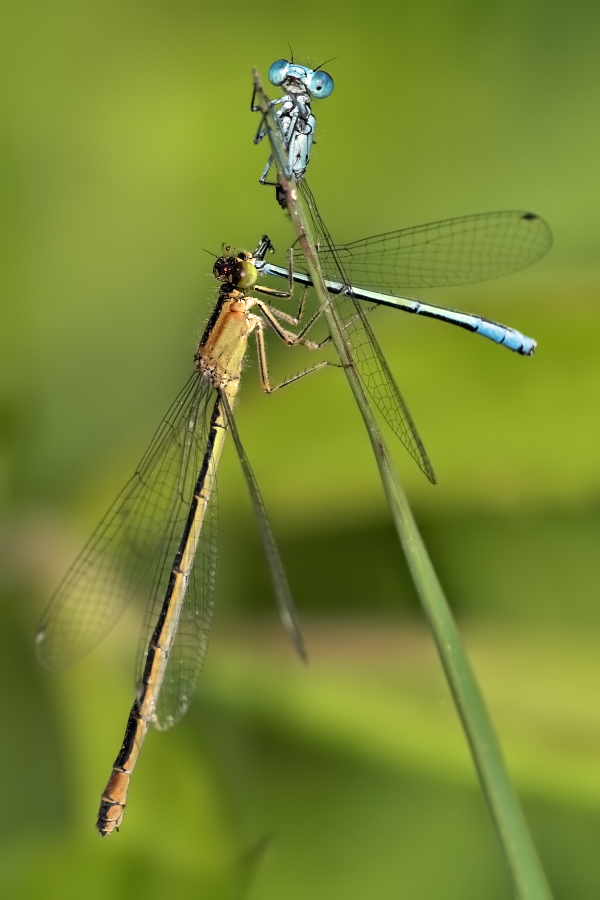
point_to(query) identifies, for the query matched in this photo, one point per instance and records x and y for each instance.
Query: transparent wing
(187, 655)
(188, 651)
(370, 361)
(283, 594)
(120, 559)
(449, 252)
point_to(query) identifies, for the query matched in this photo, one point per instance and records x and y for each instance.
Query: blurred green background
(126, 150)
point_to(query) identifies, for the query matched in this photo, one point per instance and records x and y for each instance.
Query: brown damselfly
(158, 539)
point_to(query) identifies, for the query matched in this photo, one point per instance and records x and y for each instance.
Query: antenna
(324, 63)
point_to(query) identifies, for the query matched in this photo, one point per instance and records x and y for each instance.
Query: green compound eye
(246, 275)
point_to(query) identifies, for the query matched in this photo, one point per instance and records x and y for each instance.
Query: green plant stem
(523, 862)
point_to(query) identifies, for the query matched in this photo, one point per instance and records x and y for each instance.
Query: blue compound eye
(278, 71)
(320, 84)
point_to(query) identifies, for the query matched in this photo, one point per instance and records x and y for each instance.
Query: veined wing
(188, 651)
(440, 254)
(187, 655)
(370, 361)
(120, 559)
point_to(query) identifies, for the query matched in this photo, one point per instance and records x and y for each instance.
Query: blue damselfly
(454, 251)
(294, 116)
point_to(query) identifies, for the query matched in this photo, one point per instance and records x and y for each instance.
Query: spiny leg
(300, 375)
(288, 337)
(272, 312)
(317, 315)
(271, 292)
(293, 320)
(263, 177)
(262, 363)
(262, 128)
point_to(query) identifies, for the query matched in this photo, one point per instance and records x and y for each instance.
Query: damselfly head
(237, 271)
(296, 79)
